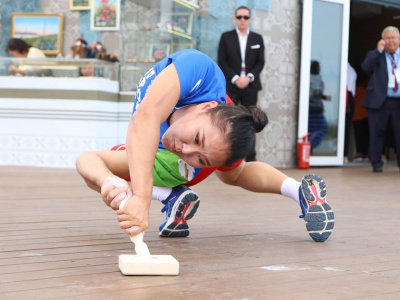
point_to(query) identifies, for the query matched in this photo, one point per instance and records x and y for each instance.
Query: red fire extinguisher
(303, 153)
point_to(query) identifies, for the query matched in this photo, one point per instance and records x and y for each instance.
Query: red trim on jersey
(229, 100)
(205, 172)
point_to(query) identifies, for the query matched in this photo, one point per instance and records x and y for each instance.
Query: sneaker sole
(182, 211)
(320, 218)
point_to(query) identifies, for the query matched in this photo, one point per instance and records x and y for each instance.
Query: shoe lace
(165, 202)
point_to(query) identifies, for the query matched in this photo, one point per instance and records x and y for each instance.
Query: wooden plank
(59, 241)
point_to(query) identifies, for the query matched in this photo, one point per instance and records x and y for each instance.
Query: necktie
(396, 85)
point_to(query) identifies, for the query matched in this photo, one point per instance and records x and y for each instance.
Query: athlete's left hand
(114, 190)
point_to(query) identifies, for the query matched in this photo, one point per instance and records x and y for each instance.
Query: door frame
(305, 80)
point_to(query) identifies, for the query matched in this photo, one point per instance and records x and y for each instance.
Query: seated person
(19, 48)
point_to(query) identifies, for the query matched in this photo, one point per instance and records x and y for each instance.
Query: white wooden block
(130, 264)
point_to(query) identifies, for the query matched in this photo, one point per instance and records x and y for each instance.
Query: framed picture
(43, 31)
(178, 23)
(158, 51)
(105, 14)
(79, 4)
(179, 47)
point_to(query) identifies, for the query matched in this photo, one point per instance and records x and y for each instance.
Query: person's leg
(309, 194)
(161, 193)
(377, 120)
(365, 143)
(347, 127)
(180, 202)
(317, 213)
(349, 117)
(249, 98)
(361, 134)
(233, 93)
(290, 189)
(318, 127)
(395, 113)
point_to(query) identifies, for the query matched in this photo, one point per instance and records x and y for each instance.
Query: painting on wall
(43, 31)
(105, 14)
(79, 4)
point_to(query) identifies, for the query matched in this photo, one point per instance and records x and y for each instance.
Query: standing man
(241, 58)
(382, 98)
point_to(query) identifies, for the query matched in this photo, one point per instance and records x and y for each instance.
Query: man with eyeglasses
(382, 98)
(241, 58)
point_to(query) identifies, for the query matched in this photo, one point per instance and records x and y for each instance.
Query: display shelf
(151, 31)
(62, 67)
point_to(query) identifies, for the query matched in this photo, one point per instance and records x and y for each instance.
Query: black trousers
(348, 121)
(361, 134)
(246, 97)
(379, 120)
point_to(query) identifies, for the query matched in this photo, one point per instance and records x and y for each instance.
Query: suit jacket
(375, 65)
(230, 60)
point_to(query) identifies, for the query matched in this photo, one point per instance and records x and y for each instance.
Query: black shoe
(377, 170)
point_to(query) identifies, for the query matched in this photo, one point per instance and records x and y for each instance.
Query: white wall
(52, 132)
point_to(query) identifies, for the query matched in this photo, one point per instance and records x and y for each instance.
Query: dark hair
(18, 45)
(240, 124)
(314, 67)
(243, 7)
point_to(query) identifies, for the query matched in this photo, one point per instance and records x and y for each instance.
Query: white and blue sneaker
(180, 206)
(317, 213)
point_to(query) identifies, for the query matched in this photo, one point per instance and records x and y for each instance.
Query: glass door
(324, 49)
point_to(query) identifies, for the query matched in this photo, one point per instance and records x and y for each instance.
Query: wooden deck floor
(59, 241)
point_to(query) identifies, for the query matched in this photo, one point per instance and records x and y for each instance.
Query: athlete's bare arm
(141, 147)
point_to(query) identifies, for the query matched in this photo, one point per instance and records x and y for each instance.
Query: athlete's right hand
(114, 190)
(134, 216)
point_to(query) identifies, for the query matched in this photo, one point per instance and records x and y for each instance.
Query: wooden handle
(141, 248)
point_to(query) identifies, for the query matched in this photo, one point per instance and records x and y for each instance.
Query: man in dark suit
(382, 98)
(241, 58)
